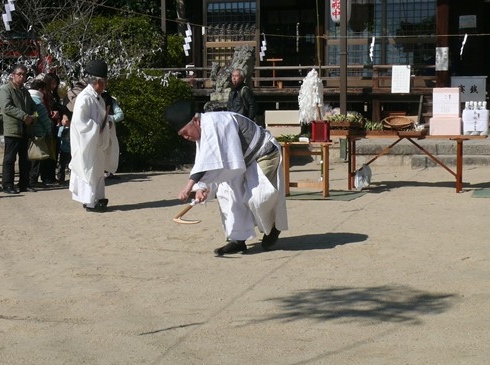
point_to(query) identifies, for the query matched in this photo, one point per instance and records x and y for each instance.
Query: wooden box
(320, 131)
(445, 126)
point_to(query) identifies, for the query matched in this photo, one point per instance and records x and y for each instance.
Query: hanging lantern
(335, 10)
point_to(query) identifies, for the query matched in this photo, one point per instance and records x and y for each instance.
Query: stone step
(436, 147)
(421, 161)
(475, 152)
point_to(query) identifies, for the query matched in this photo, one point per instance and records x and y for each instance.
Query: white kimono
(246, 197)
(93, 150)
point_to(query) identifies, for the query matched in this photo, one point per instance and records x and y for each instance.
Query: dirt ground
(399, 275)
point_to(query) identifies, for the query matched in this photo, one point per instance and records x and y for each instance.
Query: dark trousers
(34, 173)
(65, 158)
(47, 170)
(13, 147)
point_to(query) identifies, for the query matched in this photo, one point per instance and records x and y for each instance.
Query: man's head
(39, 85)
(97, 68)
(179, 114)
(237, 77)
(192, 130)
(19, 74)
(97, 71)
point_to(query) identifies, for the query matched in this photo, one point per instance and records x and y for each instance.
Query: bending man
(240, 162)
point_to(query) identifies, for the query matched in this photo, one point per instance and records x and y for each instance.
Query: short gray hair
(92, 80)
(19, 66)
(240, 71)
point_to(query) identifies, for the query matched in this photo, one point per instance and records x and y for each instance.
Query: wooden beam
(442, 40)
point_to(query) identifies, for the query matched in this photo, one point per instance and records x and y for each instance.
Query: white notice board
(446, 102)
(400, 79)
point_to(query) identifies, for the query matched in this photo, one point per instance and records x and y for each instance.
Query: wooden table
(287, 152)
(459, 139)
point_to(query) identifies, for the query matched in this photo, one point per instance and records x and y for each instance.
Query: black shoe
(231, 247)
(10, 190)
(49, 182)
(96, 209)
(270, 239)
(99, 207)
(29, 189)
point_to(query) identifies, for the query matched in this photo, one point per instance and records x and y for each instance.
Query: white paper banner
(371, 49)
(462, 45)
(5, 22)
(7, 12)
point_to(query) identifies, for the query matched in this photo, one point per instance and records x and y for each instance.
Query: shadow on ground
(382, 186)
(368, 306)
(398, 304)
(146, 205)
(119, 178)
(321, 241)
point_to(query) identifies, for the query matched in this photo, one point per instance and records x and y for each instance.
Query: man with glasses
(93, 142)
(18, 109)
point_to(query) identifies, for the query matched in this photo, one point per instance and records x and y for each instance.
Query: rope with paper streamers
(324, 36)
(310, 97)
(371, 49)
(263, 48)
(7, 16)
(187, 40)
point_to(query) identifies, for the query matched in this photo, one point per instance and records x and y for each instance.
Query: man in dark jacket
(241, 99)
(18, 110)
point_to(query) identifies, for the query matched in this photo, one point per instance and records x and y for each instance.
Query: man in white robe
(241, 163)
(94, 146)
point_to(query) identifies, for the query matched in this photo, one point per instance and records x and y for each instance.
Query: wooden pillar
(442, 39)
(343, 57)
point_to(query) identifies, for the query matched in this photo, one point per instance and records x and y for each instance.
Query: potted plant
(351, 120)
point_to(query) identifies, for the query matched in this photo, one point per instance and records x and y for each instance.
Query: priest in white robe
(94, 145)
(240, 163)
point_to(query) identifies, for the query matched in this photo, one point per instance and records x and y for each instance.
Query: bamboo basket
(398, 123)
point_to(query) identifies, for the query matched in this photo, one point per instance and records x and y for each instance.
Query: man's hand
(200, 189)
(29, 119)
(55, 116)
(186, 191)
(184, 195)
(201, 195)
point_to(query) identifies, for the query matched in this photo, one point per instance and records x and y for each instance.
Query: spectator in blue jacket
(42, 125)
